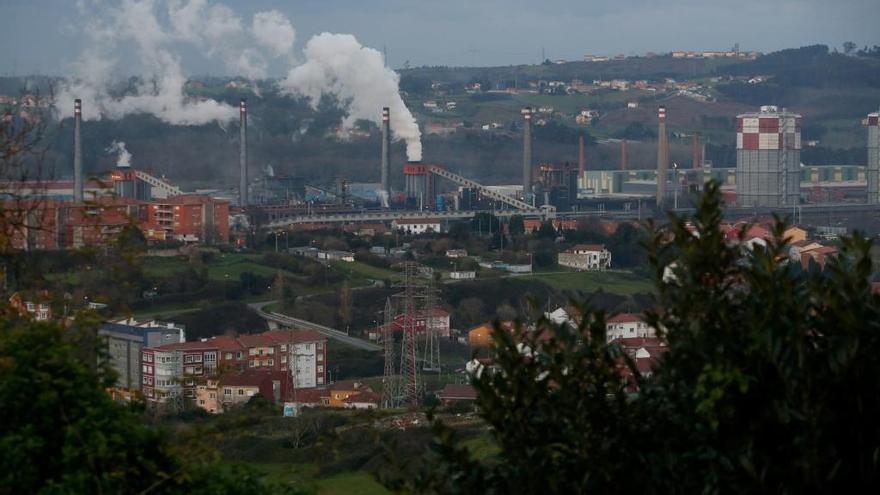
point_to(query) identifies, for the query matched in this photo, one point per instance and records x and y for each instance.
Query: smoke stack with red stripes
(527, 154)
(662, 156)
(386, 156)
(582, 161)
(242, 157)
(77, 152)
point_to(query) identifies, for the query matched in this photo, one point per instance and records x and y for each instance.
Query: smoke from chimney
(527, 153)
(123, 157)
(77, 152)
(662, 156)
(337, 65)
(242, 157)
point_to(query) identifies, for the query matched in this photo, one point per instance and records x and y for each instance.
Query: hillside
(832, 91)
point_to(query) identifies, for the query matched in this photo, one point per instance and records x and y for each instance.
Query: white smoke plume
(334, 64)
(155, 28)
(338, 65)
(123, 157)
(272, 30)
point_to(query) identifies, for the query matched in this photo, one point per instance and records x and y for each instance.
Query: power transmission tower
(410, 386)
(390, 391)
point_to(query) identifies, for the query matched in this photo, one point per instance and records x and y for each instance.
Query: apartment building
(176, 370)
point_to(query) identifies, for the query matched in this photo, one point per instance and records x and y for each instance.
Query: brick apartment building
(177, 370)
(192, 218)
(53, 224)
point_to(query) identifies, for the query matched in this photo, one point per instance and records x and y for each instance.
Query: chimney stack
(242, 158)
(77, 152)
(386, 152)
(662, 156)
(623, 154)
(696, 151)
(527, 153)
(582, 161)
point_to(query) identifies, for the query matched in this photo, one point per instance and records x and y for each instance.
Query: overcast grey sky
(42, 36)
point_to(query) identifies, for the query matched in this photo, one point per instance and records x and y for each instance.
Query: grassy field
(481, 446)
(305, 476)
(356, 269)
(614, 282)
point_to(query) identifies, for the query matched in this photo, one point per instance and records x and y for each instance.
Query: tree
(345, 304)
(848, 47)
(768, 383)
(62, 433)
(517, 225)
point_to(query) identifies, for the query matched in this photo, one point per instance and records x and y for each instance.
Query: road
(331, 333)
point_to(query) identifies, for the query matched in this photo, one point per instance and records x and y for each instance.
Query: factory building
(873, 168)
(768, 157)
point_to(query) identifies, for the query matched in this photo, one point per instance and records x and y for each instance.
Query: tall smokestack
(696, 151)
(623, 154)
(582, 161)
(386, 152)
(242, 157)
(662, 156)
(77, 152)
(527, 153)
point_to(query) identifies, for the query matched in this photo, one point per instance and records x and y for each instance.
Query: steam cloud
(334, 64)
(123, 157)
(338, 65)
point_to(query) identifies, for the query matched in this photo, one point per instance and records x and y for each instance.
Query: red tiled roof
(588, 247)
(365, 396)
(245, 379)
(624, 318)
(458, 391)
(311, 395)
(231, 343)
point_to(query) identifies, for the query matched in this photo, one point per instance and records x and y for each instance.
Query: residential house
(481, 335)
(417, 225)
(456, 253)
(463, 275)
(820, 255)
(36, 305)
(586, 257)
(628, 325)
(341, 391)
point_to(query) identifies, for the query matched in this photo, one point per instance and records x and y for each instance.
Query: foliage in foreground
(769, 384)
(62, 433)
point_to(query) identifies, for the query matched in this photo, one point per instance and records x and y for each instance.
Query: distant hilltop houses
(734, 53)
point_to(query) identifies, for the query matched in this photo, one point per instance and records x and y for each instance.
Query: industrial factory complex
(768, 176)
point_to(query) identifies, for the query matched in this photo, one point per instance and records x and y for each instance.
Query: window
(320, 369)
(190, 383)
(320, 357)
(283, 359)
(239, 355)
(241, 391)
(148, 358)
(201, 402)
(253, 351)
(228, 356)
(320, 345)
(188, 358)
(210, 357)
(252, 363)
(283, 347)
(320, 380)
(270, 362)
(212, 395)
(227, 391)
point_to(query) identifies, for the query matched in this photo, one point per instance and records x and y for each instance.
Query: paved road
(331, 333)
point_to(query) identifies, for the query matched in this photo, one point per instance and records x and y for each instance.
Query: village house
(586, 257)
(628, 325)
(417, 225)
